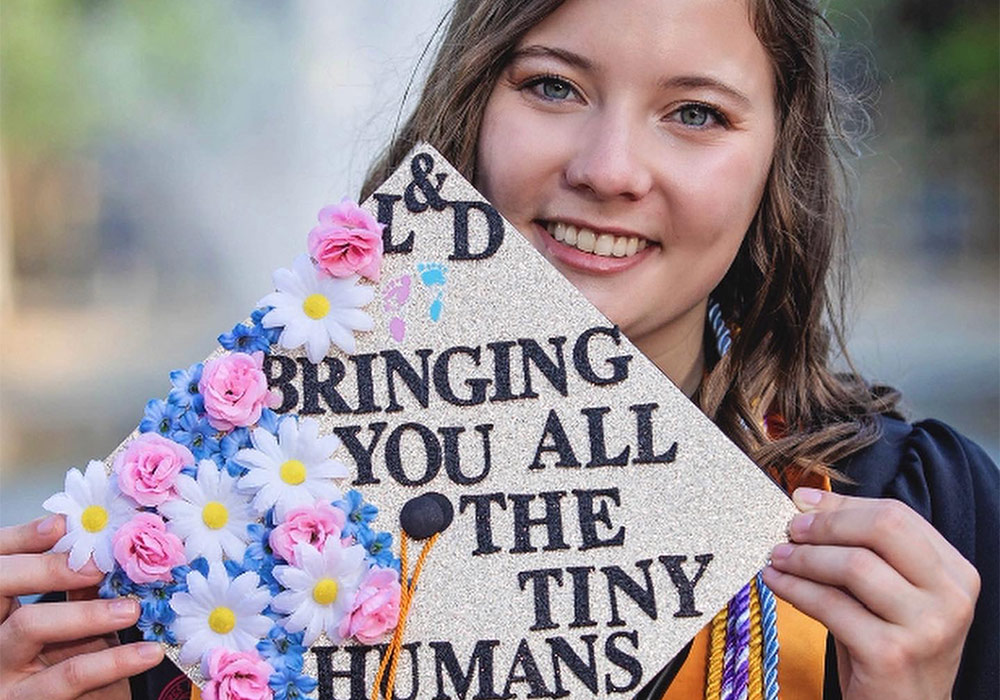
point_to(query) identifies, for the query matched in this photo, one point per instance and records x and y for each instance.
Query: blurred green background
(160, 159)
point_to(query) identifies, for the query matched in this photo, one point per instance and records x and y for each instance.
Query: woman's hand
(897, 597)
(61, 650)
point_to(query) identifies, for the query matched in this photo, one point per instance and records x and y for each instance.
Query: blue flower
(260, 557)
(270, 421)
(289, 684)
(259, 546)
(157, 594)
(160, 417)
(378, 546)
(116, 584)
(266, 573)
(196, 434)
(235, 568)
(180, 573)
(154, 621)
(359, 513)
(231, 443)
(185, 392)
(272, 334)
(282, 650)
(246, 339)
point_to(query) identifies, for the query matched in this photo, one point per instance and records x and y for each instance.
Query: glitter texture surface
(710, 500)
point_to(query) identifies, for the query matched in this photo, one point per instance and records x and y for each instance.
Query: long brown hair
(785, 291)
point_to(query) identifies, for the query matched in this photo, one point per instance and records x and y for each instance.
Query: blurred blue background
(160, 159)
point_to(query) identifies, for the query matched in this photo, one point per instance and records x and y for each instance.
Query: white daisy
(211, 516)
(320, 590)
(219, 612)
(316, 309)
(93, 512)
(293, 470)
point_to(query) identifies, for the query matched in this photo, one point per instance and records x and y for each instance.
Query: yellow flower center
(293, 472)
(222, 620)
(316, 306)
(214, 515)
(94, 518)
(325, 591)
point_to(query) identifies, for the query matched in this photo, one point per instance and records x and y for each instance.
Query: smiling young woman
(672, 156)
(640, 134)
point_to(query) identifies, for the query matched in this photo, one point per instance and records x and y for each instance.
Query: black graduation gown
(952, 483)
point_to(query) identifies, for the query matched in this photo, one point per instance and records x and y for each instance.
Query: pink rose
(148, 467)
(145, 550)
(348, 240)
(376, 607)
(236, 675)
(309, 525)
(235, 390)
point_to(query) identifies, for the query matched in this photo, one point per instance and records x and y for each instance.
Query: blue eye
(699, 116)
(552, 88)
(556, 89)
(694, 115)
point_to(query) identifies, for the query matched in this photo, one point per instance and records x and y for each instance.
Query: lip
(574, 258)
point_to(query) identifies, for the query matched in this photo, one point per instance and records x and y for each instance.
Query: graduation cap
(404, 473)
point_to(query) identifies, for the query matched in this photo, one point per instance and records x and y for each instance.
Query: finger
(31, 627)
(36, 536)
(860, 571)
(73, 677)
(60, 651)
(7, 606)
(846, 618)
(26, 574)
(889, 528)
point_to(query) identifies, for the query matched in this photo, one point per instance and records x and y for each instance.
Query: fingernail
(148, 650)
(770, 574)
(806, 497)
(123, 607)
(47, 525)
(782, 551)
(800, 524)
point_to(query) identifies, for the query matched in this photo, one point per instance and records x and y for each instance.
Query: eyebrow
(539, 51)
(583, 63)
(702, 81)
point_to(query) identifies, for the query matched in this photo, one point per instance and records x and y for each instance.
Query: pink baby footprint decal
(396, 294)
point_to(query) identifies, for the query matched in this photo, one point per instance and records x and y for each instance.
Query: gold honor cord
(391, 658)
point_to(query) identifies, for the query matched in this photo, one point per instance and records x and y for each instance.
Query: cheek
(517, 160)
(715, 196)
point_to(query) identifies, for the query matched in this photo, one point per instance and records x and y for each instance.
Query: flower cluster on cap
(224, 518)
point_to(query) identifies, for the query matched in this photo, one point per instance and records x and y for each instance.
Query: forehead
(660, 39)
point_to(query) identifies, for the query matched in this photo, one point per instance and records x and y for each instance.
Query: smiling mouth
(603, 244)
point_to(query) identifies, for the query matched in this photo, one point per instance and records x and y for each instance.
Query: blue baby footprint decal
(432, 276)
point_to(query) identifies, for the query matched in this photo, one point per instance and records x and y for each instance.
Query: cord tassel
(407, 588)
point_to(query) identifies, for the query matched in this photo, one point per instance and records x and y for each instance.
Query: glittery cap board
(573, 519)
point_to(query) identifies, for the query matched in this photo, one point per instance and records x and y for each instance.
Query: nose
(609, 161)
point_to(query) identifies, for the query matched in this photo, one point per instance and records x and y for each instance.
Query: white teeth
(605, 244)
